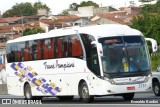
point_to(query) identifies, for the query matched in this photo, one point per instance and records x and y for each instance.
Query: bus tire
(128, 96)
(27, 92)
(62, 98)
(156, 88)
(84, 93)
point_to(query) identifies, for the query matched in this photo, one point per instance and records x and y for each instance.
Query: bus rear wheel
(27, 92)
(128, 96)
(84, 93)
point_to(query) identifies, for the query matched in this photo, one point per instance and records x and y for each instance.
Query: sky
(58, 5)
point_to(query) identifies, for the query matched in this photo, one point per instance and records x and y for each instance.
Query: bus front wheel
(156, 88)
(128, 96)
(84, 93)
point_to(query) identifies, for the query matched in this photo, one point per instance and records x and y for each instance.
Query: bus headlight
(111, 81)
(147, 78)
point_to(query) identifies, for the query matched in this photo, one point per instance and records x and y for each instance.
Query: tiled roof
(119, 17)
(70, 19)
(112, 17)
(10, 19)
(57, 23)
(60, 17)
(47, 21)
(33, 23)
(38, 16)
(14, 36)
(2, 20)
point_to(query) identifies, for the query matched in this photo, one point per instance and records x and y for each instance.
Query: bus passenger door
(95, 68)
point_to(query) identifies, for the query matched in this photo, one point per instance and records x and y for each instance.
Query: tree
(64, 12)
(40, 5)
(74, 6)
(35, 30)
(151, 8)
(147, 24)
(25, 9)
(88, 3)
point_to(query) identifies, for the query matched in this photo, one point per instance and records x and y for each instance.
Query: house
(131, 10)
(35, 18)
(76, 21)
(70, 20)
(103, 10)
(51, 24)
(62, 17)
(16, 20)
(8, 32)
(118, 17)
(90, 11)
(3, 22)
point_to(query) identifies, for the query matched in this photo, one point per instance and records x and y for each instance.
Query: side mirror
(98, 46)
(154, 44)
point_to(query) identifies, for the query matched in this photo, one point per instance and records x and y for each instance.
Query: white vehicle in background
(156, 82)
(86, 61)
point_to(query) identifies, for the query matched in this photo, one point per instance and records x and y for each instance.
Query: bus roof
(97, 31)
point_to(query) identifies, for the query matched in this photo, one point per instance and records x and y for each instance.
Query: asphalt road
(144, 100)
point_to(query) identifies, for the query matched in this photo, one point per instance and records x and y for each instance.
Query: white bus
(86, 61)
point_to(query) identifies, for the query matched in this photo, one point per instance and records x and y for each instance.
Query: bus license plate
(131, 88)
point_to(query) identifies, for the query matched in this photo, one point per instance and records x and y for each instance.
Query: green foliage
(35, 30)
(151, 8)
(147, 24)
(40, 5)
(74, 6)
(155, 61)
(64, 12)
(88, 3)
(25, 9)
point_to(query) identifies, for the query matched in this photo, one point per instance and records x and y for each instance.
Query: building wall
(102, 21)
(3, 24)
(42, 12)
(85, 11)
(43, 25)
(103, 10)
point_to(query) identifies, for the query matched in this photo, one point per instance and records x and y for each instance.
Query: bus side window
(18, 54)
(65, 46)
(13, 52)
(51, 49)
(59, 47)
(38, 54)
(8, 52)
(76, 47)
(47, 47)
(26, 50)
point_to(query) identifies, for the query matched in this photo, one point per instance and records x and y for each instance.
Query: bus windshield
(125, 56)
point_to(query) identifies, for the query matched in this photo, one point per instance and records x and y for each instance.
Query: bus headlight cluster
(110, 80)
(147, 78)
